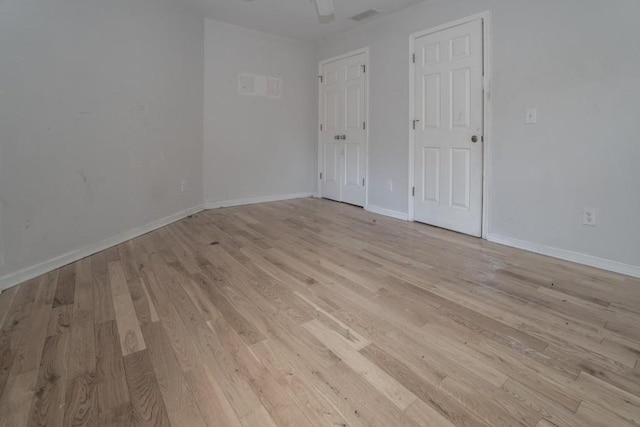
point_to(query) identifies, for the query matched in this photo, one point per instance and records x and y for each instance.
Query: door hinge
(413, 58)
(413, 191)
(414, 123)
(321, 79)
(363, 182)
(320, 175)
(364, 68)
(320, 127)
(364, 125)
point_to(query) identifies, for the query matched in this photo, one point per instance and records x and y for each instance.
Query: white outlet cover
(589, 216)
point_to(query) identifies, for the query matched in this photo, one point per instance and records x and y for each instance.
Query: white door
(343, 135)
(448, 128)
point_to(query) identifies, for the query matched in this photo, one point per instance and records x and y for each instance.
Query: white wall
(101, 117)
(578, 62)
(100, 120)
(257, 146)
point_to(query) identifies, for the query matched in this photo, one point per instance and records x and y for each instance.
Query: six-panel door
(448, 131)
(343, 138)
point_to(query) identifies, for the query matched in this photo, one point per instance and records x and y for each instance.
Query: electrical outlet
(589, 216)
(531, 116)
(183, 185)
(389, 185)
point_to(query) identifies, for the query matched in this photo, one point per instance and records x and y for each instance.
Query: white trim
(488, 120)
(580, 258)
(365, 51)
(28, 273)
(486, 62)
(254, 200)
(387, 212)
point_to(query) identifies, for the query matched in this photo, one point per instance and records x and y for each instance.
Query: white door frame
(486, 63)
(364, 51)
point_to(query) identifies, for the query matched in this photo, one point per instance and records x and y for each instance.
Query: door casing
(486, 64)
(320, 154)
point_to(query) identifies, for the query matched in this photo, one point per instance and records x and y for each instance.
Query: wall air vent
(365, 15)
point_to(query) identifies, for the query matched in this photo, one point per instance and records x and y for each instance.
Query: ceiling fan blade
(325, 7)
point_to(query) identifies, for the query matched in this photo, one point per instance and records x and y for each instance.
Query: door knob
(474, 138)
(343, 136)
(336, 137)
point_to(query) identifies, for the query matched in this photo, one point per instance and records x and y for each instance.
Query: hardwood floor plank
(16, 399)
(153, 313)
(81, 403)
(382, 381)
(47, 408)
(485, 408)
(533, 373)
(60, 320)
(354, 338)
(176, 391)
(356, 399)
(6, 301)
(544, 405)
(179, 335)
(598, 416)
(226, 372)
(29, 350)
(131, 339)
(210, 399)
(146, 400)
(103, 310)
(238, 322)
(427, 392)
(111, 382)
(189, 346)
(309, 312)
(19, 324)
(272, 396)
(259, 418)
(624, 405)
(10, 339)
(424, 415)
(121, 416)
(66, 286)
(317, 409)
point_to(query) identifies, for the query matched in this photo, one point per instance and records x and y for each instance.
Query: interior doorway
(448, 126)
(343, 148)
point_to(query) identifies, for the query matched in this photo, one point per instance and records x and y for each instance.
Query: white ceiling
(294, 18)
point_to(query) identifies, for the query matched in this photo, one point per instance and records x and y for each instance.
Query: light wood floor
(310, 312)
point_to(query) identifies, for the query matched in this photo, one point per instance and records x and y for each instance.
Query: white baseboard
(388, 212)
(580, 258)
(28, 273)
(254, 200)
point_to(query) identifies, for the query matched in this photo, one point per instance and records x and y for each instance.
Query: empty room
(320, 213)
